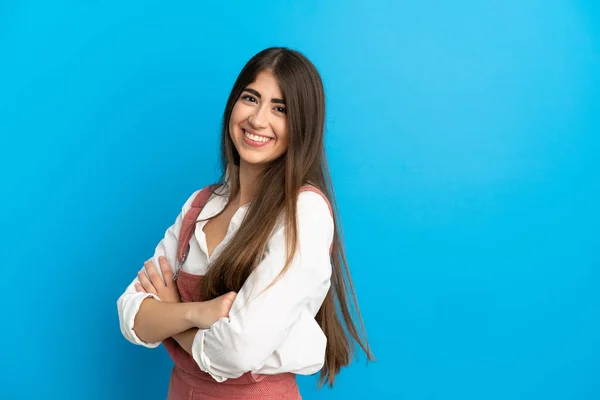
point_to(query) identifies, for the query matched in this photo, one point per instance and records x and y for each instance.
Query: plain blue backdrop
(463, 142)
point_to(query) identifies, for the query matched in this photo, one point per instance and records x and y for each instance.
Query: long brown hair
(277, 194)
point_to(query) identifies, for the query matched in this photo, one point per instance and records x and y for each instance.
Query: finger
(153, 274)
(166, 270)
(146, 284)
(139, 288)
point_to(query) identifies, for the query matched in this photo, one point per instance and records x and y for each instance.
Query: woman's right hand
(209, 312)
(151, 282)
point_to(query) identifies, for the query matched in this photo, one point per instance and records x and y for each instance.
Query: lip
(252, 142)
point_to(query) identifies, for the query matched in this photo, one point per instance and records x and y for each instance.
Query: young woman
(250, 285)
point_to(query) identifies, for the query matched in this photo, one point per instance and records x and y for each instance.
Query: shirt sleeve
(129, 302)
(260, 320)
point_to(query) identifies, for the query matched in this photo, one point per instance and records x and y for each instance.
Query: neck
(248, 175)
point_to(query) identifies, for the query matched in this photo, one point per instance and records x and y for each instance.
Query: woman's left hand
(165, 289)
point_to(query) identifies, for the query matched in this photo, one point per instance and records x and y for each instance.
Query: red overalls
(188, 381)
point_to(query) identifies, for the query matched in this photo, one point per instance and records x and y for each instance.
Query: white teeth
(256, 138)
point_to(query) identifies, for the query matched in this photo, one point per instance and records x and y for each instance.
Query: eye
(249, 98)
(281, 110)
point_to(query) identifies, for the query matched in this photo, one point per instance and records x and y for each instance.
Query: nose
(259, 119)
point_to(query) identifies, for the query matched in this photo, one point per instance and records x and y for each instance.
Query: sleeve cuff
(201, 358)
(129, 318)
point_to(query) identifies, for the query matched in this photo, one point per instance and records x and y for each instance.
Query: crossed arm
(261, 330)
(157, 320)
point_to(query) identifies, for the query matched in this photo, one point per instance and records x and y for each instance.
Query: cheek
(283, 137)
(279, 126)
(234, 120)
(237, 114)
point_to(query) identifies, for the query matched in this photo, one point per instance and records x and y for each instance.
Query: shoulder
(313, 197)
(315, 223)
(207, 192)
(190, 200)
(314, 208)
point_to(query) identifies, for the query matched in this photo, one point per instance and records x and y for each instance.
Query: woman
(258, 260)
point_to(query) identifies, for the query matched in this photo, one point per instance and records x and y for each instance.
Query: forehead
(266, 84)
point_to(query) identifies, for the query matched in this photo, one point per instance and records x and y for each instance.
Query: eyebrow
(254, 92)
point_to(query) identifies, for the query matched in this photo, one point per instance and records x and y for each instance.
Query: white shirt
(273, 332)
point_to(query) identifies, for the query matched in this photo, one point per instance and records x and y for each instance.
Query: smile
(256, 140)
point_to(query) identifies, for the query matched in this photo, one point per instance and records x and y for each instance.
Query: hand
(166, 289)
(209, 312)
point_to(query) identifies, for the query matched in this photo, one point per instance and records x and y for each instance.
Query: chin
(253, 159)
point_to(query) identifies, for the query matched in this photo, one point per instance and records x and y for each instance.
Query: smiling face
(258, 122)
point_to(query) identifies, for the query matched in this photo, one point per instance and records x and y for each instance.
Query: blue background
(463, 141)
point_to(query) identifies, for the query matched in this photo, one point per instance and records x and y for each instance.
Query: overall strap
(188, 225)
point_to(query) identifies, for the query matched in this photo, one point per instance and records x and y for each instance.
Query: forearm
(157, 320)
(186, 339)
